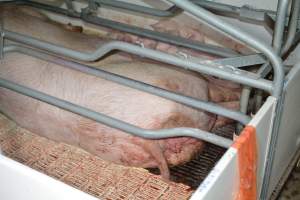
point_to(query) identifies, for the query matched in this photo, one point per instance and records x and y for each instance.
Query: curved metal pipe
(230, 74)
(240, 35)
(163, 37)
(278, 38)
(115, 123)
(189, 101)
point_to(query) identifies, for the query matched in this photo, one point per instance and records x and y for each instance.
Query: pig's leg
(156, 151)
(222, 121)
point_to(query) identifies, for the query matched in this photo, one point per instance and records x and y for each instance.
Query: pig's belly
(135, 107)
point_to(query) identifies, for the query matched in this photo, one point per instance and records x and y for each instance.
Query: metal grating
(195, 171)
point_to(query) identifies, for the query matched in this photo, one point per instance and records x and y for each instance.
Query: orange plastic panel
(247, 158)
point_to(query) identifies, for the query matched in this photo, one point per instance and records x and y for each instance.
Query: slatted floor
(195, 171)
(101, 178)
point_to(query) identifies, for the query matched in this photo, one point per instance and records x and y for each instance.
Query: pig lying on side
(130, 105)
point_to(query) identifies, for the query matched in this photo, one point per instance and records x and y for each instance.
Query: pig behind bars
(130, 105)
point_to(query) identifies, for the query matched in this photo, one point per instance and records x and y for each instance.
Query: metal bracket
(232, 65)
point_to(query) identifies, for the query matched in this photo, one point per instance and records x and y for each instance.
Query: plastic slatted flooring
(100, 178)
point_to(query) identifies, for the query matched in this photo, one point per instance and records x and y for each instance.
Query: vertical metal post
(280, 25)
(293, 23)
(277, 45)
(282, 10)
(240, 35)
(243, 105)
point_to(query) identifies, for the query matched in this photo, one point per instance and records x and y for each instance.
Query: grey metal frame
(163, 37)
(241, 36)
(115, 123)
(243, 13)
(245, 78)
(169, 12)
(230, 73)
(278, 46)
(170, 59)
(189, 101)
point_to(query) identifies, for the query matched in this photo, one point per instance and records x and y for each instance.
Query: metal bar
(252, 15)
(258, 100)
(189, 101)
(293, 22)
(261, 47)
(242, 61)
(242, 13)
(236, 75)
(280, 25)
(240, 35)
(42, 6)
(162, 37)
(282, 10)
(244, 100)
(115, 123)
(277, 45)
(138, 8)
(264, 70)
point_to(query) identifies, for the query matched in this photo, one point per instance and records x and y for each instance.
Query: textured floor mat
(103, 179)
(84, 171)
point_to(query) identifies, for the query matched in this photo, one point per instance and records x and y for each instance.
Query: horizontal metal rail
(242, 36)
(115, 123)
(236, 75)
(138, 8)
(159, 36)
(242, 13)
(162, 37)
(189, 101)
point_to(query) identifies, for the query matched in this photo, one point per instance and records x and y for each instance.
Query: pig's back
(133, 106)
